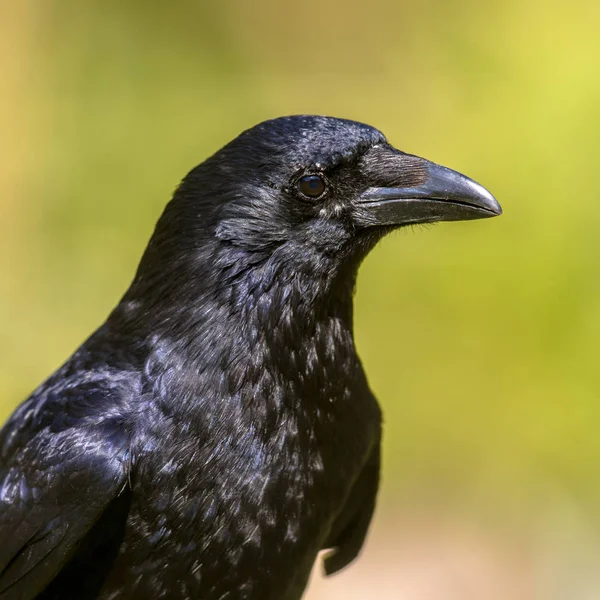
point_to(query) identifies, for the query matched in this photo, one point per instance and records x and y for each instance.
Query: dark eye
(311, 186)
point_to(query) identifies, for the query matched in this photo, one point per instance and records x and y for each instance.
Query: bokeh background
(481, 338)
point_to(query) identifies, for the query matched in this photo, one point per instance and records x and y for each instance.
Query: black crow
(218, 430)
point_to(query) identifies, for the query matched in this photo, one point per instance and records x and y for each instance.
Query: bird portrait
(218, 431)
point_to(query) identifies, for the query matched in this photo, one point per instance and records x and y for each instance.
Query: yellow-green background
(481, 339)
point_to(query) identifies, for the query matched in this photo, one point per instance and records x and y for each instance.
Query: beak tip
(481, 197)
(493, 205)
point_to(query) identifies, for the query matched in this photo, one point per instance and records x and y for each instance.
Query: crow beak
(445, 195)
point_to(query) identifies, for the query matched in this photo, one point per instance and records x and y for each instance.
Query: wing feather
(64, 458)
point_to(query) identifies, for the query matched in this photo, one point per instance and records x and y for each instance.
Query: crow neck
(228, 304)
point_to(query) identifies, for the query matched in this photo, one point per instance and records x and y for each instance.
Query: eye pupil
(311, 185)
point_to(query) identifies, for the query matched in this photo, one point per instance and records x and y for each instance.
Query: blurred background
(481, 339)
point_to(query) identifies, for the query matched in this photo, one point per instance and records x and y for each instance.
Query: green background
(480, 338)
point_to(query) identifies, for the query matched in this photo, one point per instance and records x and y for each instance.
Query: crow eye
(311, 186)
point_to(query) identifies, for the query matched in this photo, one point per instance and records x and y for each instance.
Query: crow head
(303, 194)
(324, 184)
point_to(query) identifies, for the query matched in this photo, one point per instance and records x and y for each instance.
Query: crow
(218, 430)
